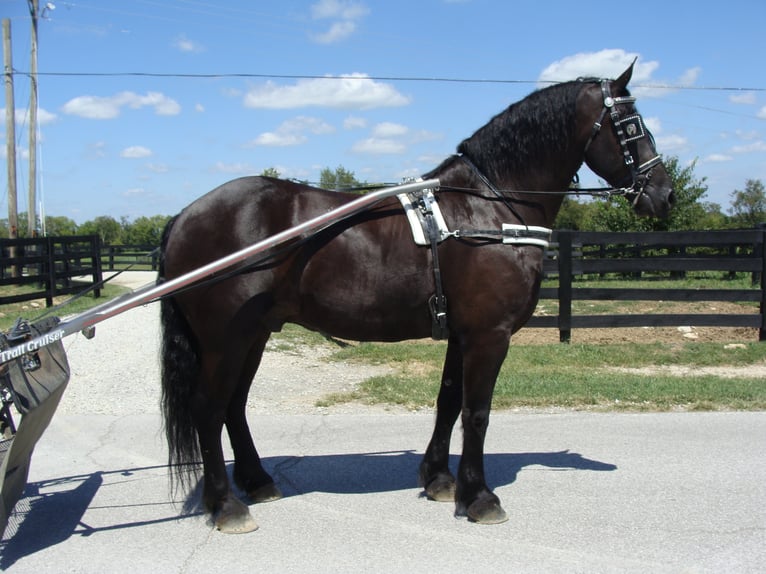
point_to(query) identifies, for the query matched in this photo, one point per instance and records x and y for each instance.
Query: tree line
(691, 212)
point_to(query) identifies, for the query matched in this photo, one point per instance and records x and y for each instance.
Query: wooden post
(98, 275)
(762, 330)
(10, 141)
(32, 198)
(565, 286)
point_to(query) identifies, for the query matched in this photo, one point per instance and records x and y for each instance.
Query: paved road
(585, 493)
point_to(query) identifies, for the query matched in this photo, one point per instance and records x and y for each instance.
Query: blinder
(628, 129)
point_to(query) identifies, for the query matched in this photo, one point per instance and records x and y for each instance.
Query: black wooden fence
(658, 255)
(53, 263)
(129, 257)
(51, 266)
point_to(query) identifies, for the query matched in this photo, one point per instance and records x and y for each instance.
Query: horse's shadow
(43, 519)
(397, 470)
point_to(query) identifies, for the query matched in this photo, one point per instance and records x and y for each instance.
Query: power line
(435, 79)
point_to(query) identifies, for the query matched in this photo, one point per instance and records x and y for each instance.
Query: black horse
(364, 279)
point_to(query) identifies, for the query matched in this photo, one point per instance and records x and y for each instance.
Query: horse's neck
(537, 208)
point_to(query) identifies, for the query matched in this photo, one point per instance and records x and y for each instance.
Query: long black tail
(179, 370)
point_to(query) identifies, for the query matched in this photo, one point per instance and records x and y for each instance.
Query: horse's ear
(624, 78)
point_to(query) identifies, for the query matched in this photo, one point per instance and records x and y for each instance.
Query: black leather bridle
(627, 129)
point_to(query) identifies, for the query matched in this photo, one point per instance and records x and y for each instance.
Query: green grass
(30, 310)
(570, 376)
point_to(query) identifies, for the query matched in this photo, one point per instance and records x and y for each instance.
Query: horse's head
(620, 148)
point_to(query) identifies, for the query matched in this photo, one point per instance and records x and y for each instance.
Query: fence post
(762, 330)
(98, 274)
(565, 286)
(50, 289)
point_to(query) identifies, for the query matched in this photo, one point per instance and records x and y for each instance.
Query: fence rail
(672, 254)
(53, 262)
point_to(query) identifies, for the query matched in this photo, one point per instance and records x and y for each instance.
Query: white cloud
(338, 31)
(184, 44)
(654, 125)
(756, 146)
(689, 77)
(199, 108)
(377, 146)
(136, 151)
(293, 132)
(106, 108)
(157, 167)
(762, 113)
(747, 135)
(389, 130)
(718, 158)
(603, 64)
(342, 9)
(743, 98)
(22, 116)
(276, 139)
(610, 64)
(354, 123)
(352, 91)
(670, 143)
(344, 15)
(45, 117)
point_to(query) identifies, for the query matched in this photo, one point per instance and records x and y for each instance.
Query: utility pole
(10, 131)
(32, 198)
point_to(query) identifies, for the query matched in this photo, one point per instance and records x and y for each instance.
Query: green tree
(145, 230)
(60, 225)
(337, 180)
(271, 172)
(575, 215)
(616, 213)
(748, 207)
(108, 228)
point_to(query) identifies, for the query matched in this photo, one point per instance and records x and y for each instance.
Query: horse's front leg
(435, 476)
(481, 361)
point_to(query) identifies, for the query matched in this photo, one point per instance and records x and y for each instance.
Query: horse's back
(232, 216)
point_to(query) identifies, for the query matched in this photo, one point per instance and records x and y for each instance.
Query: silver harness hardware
(627, 129)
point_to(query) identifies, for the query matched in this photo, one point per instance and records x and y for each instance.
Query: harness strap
(437, 304)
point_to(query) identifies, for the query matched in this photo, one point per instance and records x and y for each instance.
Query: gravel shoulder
(118, 372)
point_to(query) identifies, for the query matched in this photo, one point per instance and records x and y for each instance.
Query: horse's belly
(378, 313)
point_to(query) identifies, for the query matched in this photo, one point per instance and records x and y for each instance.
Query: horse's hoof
(486, 511)
(441, 489)
(234, 518)
(267, 493)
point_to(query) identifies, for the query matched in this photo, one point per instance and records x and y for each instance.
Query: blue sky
(304, 85)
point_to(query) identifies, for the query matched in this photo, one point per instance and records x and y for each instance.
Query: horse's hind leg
(435, 476)
(209, 408)
(249, 474)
